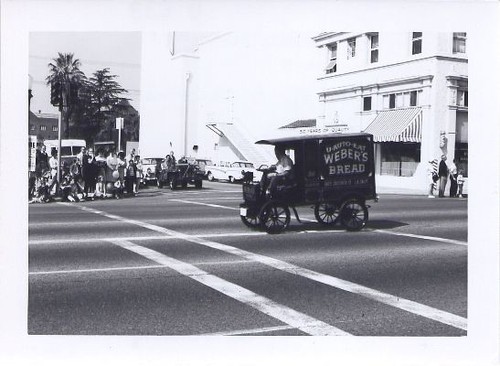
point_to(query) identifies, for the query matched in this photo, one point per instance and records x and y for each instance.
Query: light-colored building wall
(257, 81)
(437, 74)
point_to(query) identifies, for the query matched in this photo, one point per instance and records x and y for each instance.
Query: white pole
(186, 115)
(59, 123)
(120, 137)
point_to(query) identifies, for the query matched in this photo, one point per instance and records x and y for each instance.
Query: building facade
(43, 125)
(409, 89)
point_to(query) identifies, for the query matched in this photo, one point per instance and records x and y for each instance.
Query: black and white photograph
(196, 184)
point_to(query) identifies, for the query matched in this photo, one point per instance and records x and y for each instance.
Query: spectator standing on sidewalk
(443, 172)
(54, 165)
(130, 177)
(42, 161)
(453, 179)
(138, 174)
(89, 173)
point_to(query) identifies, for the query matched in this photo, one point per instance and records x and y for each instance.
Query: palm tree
(65, 79)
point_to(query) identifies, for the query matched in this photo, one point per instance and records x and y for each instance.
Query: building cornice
(440, 58)
(393, 82)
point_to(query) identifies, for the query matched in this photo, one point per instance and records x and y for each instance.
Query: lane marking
(205, 204)
(131, 268)
(391, 300)
(425, 237)
(248, 331)
(92, 270)
(141, 238)
(287, 315)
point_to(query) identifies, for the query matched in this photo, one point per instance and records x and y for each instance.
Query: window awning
(331, 65)
(397, 125)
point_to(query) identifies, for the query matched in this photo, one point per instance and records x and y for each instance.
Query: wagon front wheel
(326, 213)
(251, 222)
(275, 217)
(353, 215)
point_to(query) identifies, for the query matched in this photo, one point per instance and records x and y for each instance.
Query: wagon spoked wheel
(326, 213)
(251, 222)
(275, 217)
(353, 215)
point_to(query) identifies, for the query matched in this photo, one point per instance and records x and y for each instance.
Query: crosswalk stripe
(285, 314)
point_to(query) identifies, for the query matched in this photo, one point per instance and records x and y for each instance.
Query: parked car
(231, 172)
(150, 169)
(202, 164)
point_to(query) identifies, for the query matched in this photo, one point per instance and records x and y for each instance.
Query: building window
(332, 65)
(374, 48)
(351, 48)
(416, 46)
(32, 127)
(54, 128)
(367, 103)
(43, 128)
(399, 159)
(463, 98)
(401, 100)
(392, 101)
(413, 98)
(459, 41)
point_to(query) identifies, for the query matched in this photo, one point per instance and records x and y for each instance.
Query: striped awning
(397, 125)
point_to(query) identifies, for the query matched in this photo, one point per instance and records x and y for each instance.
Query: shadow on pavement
(371, 224)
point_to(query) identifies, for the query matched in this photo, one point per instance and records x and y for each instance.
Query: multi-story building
(409, 89)
(43, 125)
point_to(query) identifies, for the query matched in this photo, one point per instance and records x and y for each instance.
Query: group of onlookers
(440, 172)
(88, 176)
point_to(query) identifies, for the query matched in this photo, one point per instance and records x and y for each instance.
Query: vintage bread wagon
(333, 173)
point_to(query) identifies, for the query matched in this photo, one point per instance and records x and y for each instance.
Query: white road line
(249, 331)
(287, 315)
(205, 204)
(400, 303)
(141, 238)
(93, 270)
(425, 237)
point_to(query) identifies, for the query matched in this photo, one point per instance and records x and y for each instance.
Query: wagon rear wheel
(326, 213)
(353, 215)
(275, 217)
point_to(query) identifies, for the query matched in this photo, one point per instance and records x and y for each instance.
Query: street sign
(32, 156)
(119, 123)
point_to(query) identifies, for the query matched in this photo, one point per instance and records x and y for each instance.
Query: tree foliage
(90, 106)
(65, 79)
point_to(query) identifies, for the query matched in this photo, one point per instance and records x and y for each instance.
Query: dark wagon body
(335, 173)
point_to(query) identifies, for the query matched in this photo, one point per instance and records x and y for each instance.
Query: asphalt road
(182, 263)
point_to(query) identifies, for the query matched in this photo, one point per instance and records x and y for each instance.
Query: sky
(118, 51)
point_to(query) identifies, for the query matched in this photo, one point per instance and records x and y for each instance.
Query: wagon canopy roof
(286, 140)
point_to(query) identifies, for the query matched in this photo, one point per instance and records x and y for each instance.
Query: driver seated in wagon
(283, 171)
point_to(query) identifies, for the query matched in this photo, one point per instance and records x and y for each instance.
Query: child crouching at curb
(68, 190)
(99, 188)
